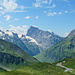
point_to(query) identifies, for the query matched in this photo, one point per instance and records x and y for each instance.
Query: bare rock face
(31, 44)
(45, 39)
(72, 33)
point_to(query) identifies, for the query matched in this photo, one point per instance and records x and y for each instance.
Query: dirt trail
(66, 68)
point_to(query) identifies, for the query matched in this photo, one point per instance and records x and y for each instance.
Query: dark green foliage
(69, 63)
(2, 70)
(12, 57)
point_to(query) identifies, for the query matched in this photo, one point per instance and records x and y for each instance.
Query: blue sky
(52, 15)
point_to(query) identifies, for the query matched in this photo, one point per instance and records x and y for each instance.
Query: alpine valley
(37, 52)
(63, 50)
(34, 42)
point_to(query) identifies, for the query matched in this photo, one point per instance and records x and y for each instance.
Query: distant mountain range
(34, 42)
(23, 42)
(63, 50)
(59, 51)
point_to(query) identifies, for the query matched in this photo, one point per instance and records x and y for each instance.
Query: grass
(70, 63)
(13, 50)
(2, 70)
(38, 69)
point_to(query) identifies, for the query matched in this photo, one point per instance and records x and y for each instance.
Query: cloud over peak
(19, 29)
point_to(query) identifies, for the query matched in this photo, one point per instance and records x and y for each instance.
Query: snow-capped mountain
(44, 38)
(34, 42)
(31, 44)
(26, 43)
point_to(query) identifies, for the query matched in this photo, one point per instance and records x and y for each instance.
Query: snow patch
(3, 38)
(1, 33)
(19, 35)
(31, 39)
(9, 33)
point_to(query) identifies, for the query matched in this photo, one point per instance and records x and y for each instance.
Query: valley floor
(39, 69)
(66, 68)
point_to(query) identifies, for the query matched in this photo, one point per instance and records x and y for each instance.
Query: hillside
(63, 50)
(38, 69)
(2, 70)
(12, 57)
(70, 63)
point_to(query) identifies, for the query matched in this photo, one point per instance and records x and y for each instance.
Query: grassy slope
(38, 69)
(69, 63)
(64, 49)
(15, 50)
(6, 47)
(2, 70)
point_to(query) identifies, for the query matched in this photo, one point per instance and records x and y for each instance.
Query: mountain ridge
(13, 37)
(45, 38)
(63, 50)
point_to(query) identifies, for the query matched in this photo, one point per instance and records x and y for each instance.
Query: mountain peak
(34, 27)
(44, 38)
(32, 30)
(72, 33)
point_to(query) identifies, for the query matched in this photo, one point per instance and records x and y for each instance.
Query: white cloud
(45, 1)
(15, 19)
(51, 14)
(27, 17)
(10, 4)
(19, 29)
(21, 7)
(36, 17)
(8, 17)
(45, 11)
(1, 8)
(60, 13)
(40, 3)
(50, 1)
(66, 11)
(37, 5)
(51, 6)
